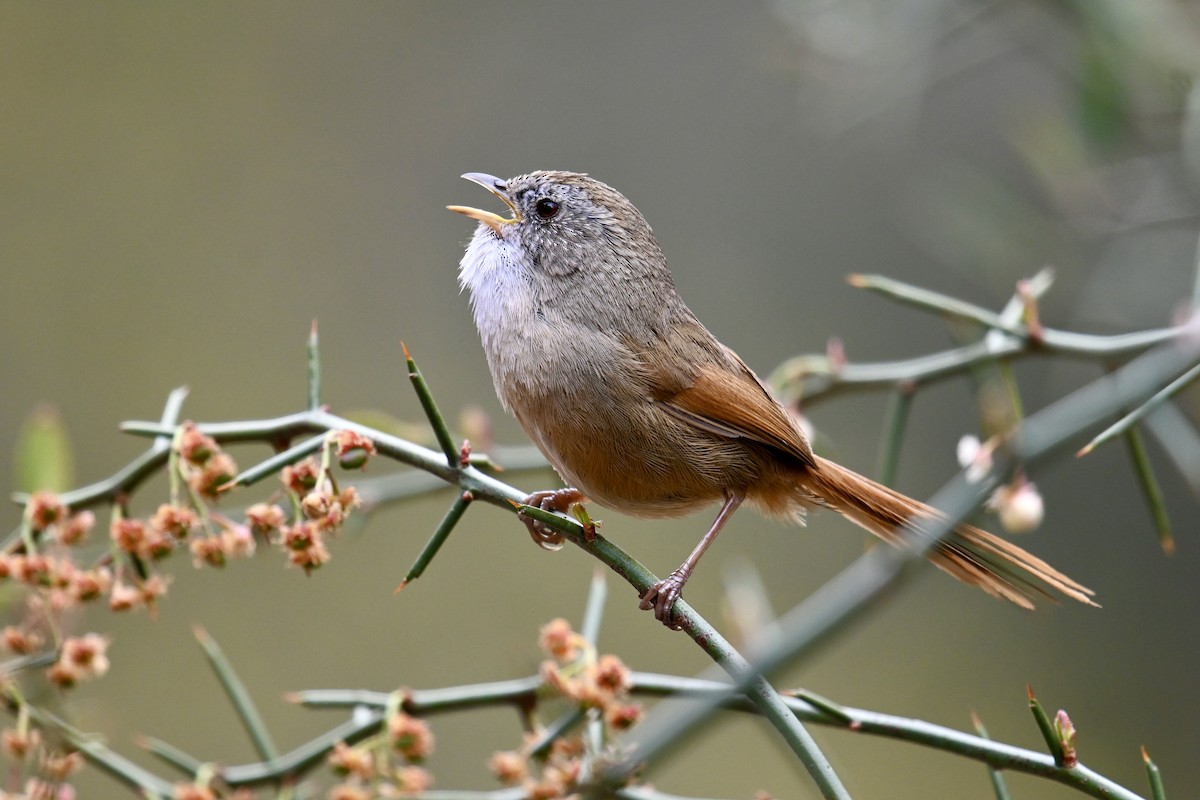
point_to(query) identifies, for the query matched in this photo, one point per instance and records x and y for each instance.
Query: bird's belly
(584, 400)
(645, 463)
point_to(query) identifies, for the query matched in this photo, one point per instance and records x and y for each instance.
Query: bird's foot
(560, 500)
(662, 596)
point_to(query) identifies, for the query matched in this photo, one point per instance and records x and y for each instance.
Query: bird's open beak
(497, 187)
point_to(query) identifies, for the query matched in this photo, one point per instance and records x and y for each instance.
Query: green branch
(485, 487)
(811, 377)
(996, 755)
(843, 600)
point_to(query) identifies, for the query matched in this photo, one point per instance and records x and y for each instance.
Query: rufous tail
(972, 555)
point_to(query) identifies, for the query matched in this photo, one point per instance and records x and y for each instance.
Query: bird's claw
(661, 597)
(559, 500)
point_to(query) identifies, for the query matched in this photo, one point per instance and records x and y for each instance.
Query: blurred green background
(187, 186)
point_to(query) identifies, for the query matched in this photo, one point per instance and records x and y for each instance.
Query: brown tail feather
(972, 555)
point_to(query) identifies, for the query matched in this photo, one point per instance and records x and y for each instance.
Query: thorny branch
(1132, 391)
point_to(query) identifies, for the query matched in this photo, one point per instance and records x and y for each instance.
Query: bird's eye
(546, 209)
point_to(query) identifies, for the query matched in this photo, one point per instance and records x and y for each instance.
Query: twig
(1179, 439)
(184, 762)
(999, 786)
(1046, 728)
(809, 378)
(440, 534)
(1132, 418)
(1157, 791)
(272, 465)
(238, 695)
(1150, 489)
(436, 420)
(1063, 342)
(593, 610)
(894, 424)
(102, 756)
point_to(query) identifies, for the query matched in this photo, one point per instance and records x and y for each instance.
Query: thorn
(400, 588)
(407, 357)
(856, 280)
(829, 708)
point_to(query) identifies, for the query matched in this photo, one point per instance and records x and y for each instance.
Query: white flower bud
(974, 458)
(1019, 507)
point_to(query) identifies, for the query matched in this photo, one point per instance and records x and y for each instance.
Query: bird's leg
(559, 500)
(662, 595)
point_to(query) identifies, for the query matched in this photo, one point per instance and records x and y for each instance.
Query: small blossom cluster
(202, 791)
(48, 564)
(211, 539)
(26, 749)
(61, 585)
(599, 684)
(127, 576)
(386, 766)
(322, 505)
(81, 658)
(48, 517)
(56, 585)
(207, 468)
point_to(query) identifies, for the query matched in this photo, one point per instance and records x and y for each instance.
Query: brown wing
(729, 400)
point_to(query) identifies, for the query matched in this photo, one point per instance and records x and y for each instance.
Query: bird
(639, 408)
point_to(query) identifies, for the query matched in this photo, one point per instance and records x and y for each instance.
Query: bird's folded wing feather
(734, 403)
